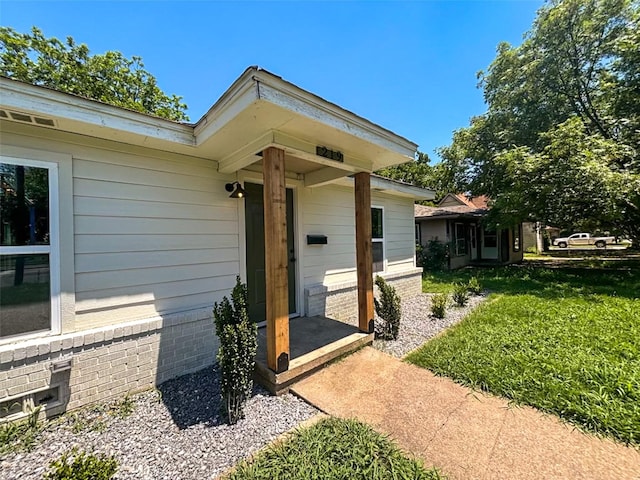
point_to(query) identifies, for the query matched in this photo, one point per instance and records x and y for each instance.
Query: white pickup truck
(582, 239)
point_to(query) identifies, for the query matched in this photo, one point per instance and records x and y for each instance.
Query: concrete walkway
(466, 434)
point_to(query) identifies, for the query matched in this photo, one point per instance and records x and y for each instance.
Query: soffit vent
(26, 118)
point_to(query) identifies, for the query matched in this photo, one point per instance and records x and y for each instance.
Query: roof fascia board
(239, 96)
(288, 96)
(394, 188)
(47, 102)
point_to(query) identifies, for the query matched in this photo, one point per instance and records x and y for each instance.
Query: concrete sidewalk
(466, 434)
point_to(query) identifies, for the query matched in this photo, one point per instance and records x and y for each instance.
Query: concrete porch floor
(314, 342)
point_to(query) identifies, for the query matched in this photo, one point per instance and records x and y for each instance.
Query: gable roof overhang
(259, 110)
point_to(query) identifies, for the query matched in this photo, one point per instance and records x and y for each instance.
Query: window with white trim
(29, 265)
(377, 238)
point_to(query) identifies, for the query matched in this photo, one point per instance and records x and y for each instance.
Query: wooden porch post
(276, 260)
(364, 260)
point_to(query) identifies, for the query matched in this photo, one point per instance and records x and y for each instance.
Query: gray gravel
(173, 433)
(417, 325)
(176, 432)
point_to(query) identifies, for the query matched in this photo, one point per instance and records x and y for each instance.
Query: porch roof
(322, 141)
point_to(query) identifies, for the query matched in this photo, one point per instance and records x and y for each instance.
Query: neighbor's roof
(460, 211)
(481, 201)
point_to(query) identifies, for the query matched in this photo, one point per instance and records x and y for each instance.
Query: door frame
(295, 186)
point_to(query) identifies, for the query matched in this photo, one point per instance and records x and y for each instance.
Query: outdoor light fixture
(236, 189)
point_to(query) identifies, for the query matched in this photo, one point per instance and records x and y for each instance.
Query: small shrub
(123, 407)
(75, 465)
(388, 309)
(473, 285)
(236, 355)
(439, 305)
(460, 294)
(20, 435)
(435, 256)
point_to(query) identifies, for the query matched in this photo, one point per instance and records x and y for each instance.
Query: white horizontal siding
(330, 211)
(154, 232)
(151, 236)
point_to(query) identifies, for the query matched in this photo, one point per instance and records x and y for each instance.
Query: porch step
(308, 363)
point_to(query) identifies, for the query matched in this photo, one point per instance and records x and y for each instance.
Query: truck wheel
(601, 244)
(562, 244)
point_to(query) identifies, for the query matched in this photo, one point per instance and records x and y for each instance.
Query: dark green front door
(254, 228)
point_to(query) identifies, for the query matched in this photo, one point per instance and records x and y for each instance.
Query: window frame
(53, 249)
(516, 234)
(379, 240)
(456, 240)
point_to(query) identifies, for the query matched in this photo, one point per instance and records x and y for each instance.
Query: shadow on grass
(557, 280)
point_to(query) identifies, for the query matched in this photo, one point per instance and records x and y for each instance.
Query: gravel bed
(175, 432)
(417, 325)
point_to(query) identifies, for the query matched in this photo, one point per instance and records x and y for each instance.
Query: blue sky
(408, 66)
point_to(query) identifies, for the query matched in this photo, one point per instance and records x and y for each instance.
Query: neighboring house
(108, 273)
(457, 222)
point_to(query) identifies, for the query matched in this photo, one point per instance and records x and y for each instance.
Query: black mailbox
(316, 239)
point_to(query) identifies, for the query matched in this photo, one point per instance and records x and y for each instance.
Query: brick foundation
(106, 362)
(340, 301)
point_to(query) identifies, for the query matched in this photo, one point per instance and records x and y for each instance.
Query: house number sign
(330, 154)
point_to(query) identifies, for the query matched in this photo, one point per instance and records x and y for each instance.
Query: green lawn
(333, 449)
(565, 340)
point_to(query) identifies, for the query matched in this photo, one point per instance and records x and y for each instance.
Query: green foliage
(78, 465)
(421, 174)
(439, 303)
(68, 67)
(560, 141)
(333, 449)
(236, 355)
(20, 435)
(473, 285)
(388, 309)
(460, 294)
(435, 256)
(565, 340)
(123, 407)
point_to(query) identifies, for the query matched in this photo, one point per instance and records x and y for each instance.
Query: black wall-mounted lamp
(236, 189)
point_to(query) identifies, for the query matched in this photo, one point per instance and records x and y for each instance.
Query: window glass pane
(490, 239)
(24, 294)
(377, 230)
(377, 250)
(24, 205)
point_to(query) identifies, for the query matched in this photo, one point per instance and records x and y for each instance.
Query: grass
(564, 340)
(21, 435)
(333, 449)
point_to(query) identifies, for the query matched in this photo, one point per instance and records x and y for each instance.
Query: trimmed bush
(388, 309)
(75, 465)
(236, 355)
(460, 294)
(439, 304)
(435, 256)
(473, 285)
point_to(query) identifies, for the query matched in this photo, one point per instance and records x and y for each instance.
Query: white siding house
(128, 235)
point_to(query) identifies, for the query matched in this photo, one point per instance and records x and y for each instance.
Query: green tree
(560, 140)
(419, 172)
(68, 67)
